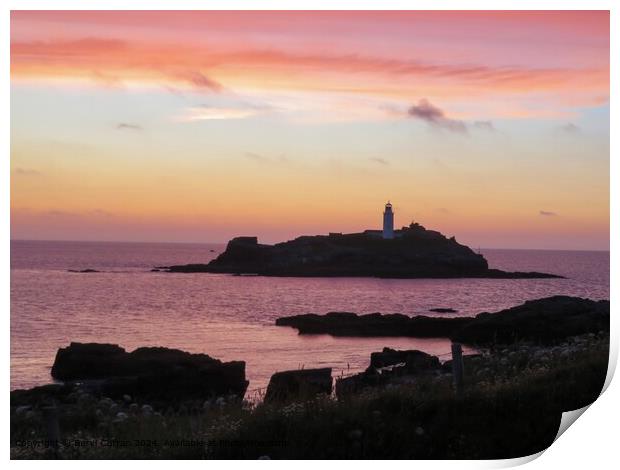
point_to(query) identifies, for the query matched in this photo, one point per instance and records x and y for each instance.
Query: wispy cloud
(434, 116)
(188, 63)
(484, 125)
(570, 128)
(207, 113)
(547, 213)
(128, 126)
(201, 81)
(379, 160)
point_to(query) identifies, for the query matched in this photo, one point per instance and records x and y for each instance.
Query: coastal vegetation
(511, 406)
(535, 361)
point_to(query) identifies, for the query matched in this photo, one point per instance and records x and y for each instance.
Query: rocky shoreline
(512, 392)
(543, 320)
(540, 348)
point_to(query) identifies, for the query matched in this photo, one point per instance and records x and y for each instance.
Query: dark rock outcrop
(374, 324)
(152, 372)
(414, 253)
(387, 366)
(296, 384)
(543, 320)
(415, 361)
(370, 378)
(88, 270)
(443, 310)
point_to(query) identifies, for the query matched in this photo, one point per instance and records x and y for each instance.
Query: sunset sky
(201, 126)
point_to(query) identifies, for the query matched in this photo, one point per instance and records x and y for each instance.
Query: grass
(511, 407)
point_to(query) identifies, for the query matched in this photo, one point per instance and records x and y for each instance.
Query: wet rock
(294, 384)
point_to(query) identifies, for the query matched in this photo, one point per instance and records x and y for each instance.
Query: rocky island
(412, 252)
(543, 321)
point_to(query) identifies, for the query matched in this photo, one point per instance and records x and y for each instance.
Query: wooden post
(50, 413)
(457, 368)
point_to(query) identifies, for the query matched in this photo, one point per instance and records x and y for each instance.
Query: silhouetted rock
(160, 373)
(386, 367)
(82, 270)
(40, 396)
(414, 253)
(374, 324)
(443, 310)
(347, 386)
(543, 320)
(414, 360)
(293, 384)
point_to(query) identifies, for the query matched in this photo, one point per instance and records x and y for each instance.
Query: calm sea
(232, 318)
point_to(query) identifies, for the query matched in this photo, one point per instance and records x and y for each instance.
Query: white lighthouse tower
(388, 222)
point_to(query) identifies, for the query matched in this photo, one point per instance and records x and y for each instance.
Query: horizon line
(223, 243)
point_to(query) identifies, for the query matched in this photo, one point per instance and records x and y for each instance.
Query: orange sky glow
(200, 126)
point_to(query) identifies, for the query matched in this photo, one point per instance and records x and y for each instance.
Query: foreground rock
(415, 253)
(157, 373)
(543, 320)
(387, 367)
(414, 360)
(373, 324)
(295, 384)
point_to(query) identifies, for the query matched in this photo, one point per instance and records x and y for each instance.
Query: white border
(592, 442)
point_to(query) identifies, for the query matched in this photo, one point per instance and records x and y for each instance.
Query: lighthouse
(388, 222)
